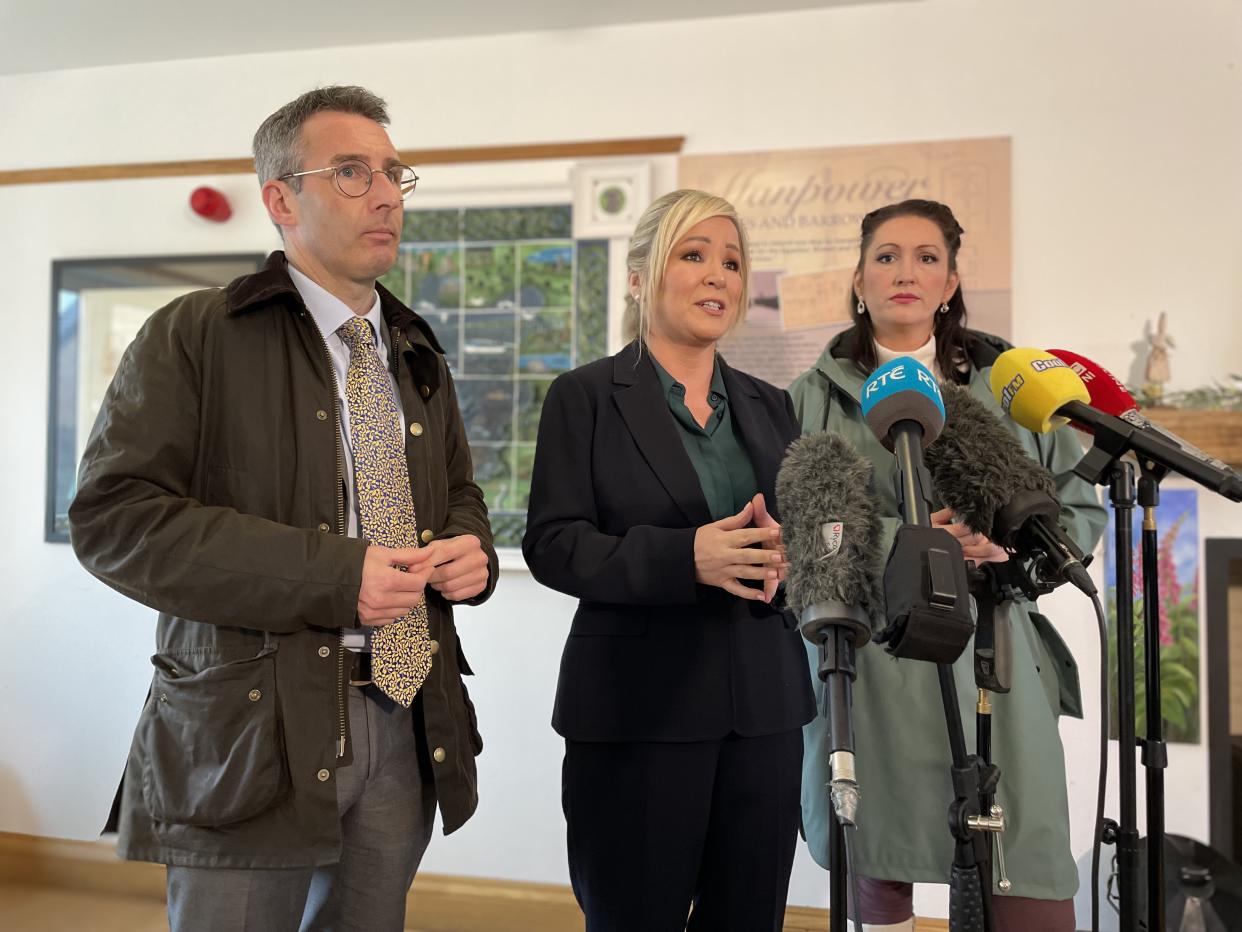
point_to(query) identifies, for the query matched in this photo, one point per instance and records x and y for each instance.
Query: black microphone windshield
(979, 468)
(831, 533)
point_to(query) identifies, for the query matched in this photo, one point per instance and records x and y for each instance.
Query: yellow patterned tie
(401, 651)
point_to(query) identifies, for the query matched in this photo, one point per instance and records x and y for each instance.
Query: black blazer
(614, 506)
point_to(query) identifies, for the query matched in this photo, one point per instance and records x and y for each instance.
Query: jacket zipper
(340, 529)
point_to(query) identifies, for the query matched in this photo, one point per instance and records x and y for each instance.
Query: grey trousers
(387, 813)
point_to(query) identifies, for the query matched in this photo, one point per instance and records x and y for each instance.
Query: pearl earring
(862, 308)
(944, 308)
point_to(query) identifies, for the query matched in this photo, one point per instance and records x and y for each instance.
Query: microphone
(1041, 392)
(901, 404)
(983, 474)
(1110, 396)
(925, 588)
(831, 535)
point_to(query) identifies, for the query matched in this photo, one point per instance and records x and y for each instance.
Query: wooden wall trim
(654, 145)
(441, 902)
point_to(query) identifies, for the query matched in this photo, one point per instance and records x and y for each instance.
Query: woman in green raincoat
(907, 302)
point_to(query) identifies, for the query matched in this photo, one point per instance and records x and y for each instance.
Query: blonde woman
(683, 684)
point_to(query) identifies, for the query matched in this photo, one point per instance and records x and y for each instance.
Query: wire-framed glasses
(353, 177)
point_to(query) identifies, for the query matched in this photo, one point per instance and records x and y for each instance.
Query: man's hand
(460, 567)
(723, 554)
(392, 583)
(975, 547)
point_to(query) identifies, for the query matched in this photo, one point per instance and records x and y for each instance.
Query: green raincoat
(900, 733)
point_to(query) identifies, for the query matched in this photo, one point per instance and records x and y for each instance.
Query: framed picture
(98, 305)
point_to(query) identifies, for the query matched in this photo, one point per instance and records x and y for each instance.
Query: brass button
(321, 414)
(323, 526)
(438, 755)
(416, 429)
(255, 695)
(435, 646)
(425, 391)
(427, 536)
(325, 652)
(323, 776)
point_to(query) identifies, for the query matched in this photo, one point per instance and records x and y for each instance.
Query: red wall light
(210, 204)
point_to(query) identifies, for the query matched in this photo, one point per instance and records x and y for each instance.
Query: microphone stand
(837, 628)
(1102, 466)
(970, 899)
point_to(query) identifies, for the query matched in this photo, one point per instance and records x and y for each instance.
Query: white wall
(1123, 115)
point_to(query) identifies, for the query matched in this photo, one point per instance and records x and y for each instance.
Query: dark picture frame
(97, 306)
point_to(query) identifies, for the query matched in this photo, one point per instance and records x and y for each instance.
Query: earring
(944, 308)
(862, 308)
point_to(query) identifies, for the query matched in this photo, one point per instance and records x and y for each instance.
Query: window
(514, 300)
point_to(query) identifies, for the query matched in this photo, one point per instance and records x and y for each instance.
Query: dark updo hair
(949, 328)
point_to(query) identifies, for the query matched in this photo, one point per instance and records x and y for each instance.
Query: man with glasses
(280, 469)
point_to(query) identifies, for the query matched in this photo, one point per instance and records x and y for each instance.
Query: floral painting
(1177, 524)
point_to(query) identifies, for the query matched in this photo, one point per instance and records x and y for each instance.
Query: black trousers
(665, 837)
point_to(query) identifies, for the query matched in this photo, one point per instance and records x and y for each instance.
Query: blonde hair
(661, 226)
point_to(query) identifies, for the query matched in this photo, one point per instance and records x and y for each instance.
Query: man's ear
(281, 204)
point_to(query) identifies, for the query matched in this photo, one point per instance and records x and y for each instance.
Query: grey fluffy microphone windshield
(978, 466)
(831, 536)
(983, 474)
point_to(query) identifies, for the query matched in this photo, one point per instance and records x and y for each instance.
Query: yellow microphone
(1032, 386)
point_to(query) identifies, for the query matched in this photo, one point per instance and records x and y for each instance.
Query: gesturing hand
(777, 544)
(975, 547)
(392, 583)
(723, 554)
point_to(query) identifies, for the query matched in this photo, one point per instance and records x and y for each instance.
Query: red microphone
(1111, 397)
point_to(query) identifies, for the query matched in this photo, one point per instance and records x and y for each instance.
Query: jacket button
(323, 776)
(321, 414)
(425, 391)
(325, 652)
(416, 429)
(435, 646)
(427, 536)
(438, 755)
(323, 526)
(255, 695)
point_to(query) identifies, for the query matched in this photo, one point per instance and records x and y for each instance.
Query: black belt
(360, 671)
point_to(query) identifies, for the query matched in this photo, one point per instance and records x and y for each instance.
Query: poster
(802, 210)
(1177, 529)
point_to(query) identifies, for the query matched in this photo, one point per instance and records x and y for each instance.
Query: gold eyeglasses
(353, 177)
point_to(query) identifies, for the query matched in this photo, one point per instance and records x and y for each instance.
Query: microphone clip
(928, 604)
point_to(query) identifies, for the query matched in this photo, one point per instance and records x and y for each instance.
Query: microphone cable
(1098, 839)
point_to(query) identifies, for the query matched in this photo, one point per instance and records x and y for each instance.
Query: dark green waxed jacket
(211, 491)
(900, 733)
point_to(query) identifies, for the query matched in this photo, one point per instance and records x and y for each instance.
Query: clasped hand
(977, 547)
(393, 578)
(724, 552)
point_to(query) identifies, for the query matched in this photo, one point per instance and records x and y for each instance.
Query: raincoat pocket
(1058, 670)
(214, 751)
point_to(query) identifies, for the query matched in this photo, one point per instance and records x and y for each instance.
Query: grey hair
(278, 142)
(659, 229)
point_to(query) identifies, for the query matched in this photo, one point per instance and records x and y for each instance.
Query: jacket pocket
(1057, 668)
(212, 742)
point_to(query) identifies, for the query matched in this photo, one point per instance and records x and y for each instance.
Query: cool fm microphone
(1041, 393)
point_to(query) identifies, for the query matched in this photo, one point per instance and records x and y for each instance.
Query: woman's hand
(723, 554)
(777, 544)
(975, 547)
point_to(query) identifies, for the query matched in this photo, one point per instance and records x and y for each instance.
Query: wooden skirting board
(437, 903)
